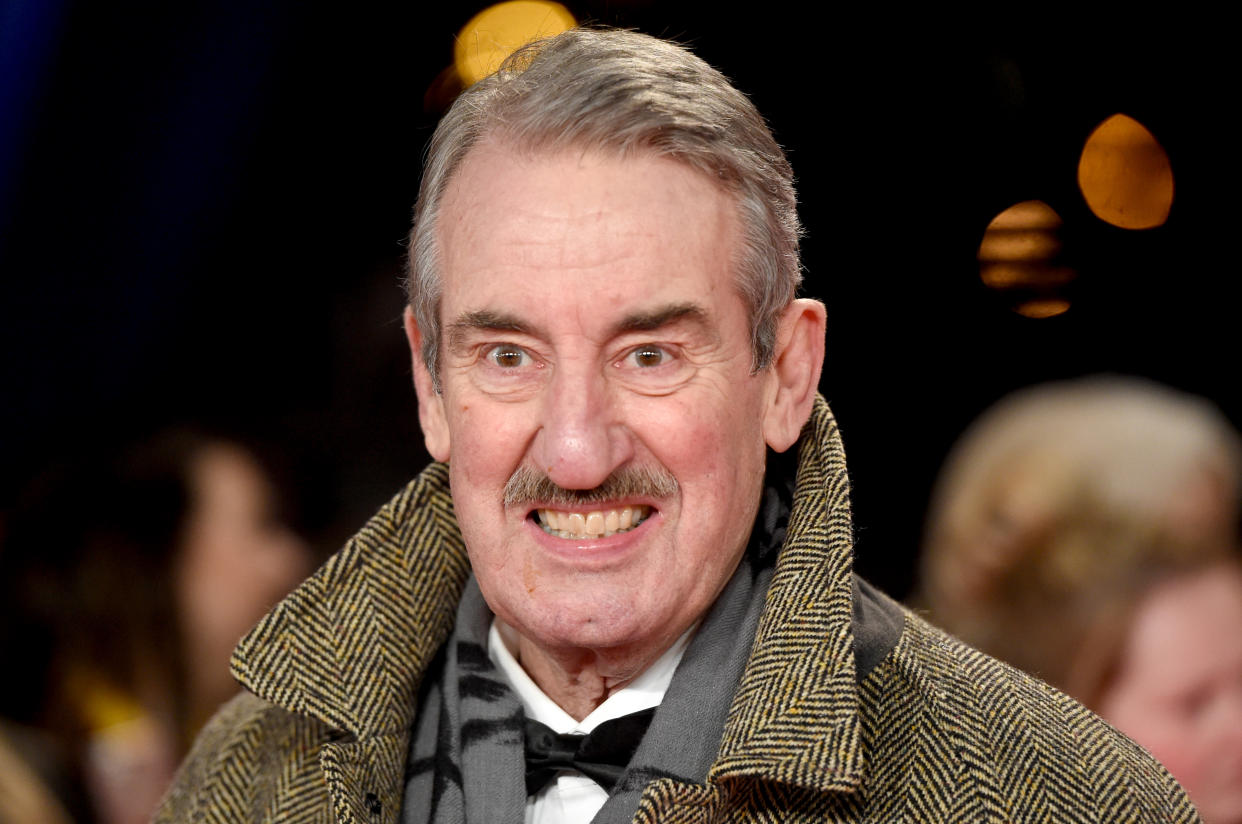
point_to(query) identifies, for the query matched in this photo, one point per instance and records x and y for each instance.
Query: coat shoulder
(250, 760)
(962, 731)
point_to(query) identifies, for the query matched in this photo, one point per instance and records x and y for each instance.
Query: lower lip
(593, 551)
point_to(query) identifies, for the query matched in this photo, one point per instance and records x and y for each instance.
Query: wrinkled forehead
(615, 195)
(590, 242)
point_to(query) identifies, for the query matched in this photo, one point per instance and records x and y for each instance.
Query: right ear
(430, 402)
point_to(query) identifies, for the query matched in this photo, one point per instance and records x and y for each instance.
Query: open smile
(592, 523)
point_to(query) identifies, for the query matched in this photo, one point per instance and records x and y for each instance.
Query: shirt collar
(645, 691)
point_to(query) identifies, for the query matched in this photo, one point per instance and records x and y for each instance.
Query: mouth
(590, 523)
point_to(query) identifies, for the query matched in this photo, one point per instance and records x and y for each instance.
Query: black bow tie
(601, 756)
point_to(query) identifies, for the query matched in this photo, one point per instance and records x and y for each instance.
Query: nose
(581, 438)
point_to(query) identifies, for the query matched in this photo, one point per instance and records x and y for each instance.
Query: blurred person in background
(126, 584)
(1085, 532)
(24, 796)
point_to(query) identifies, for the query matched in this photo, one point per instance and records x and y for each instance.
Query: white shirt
(571, 797)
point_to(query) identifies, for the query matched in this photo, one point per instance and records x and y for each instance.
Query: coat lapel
(795, 718)
(350, 645)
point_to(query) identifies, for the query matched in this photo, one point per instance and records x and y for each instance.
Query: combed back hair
(626, 93)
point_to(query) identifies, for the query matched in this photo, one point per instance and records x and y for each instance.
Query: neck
(577, 680)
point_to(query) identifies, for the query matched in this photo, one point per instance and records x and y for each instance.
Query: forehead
(513, 222)
(1187, 625)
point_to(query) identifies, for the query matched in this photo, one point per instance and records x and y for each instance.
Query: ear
(795, 368)
(430, 402)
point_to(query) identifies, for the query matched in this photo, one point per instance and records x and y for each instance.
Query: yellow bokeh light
(1125, 176)
(1019, 244)
(1020, 247)
(1044, 308)
(496, 32)
(1027, 215)
(1020, 257)
(1024, 275)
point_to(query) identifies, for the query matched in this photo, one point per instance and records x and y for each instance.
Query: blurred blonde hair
(1061, 505)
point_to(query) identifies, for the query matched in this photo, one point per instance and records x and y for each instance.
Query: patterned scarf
(466, 762)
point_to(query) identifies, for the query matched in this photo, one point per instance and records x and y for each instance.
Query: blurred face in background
(1178, 691)
(236, 561)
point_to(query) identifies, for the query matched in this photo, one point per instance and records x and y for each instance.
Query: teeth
(593, 524)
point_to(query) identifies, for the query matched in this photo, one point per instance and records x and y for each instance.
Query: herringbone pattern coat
(936, 732)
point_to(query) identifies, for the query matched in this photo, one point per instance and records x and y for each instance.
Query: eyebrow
(658, 318)
(490, 321)
(485, 320)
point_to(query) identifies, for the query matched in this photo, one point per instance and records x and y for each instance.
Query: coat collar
(351, 644)
(795, 717)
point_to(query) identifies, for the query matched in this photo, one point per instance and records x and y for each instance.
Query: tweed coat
(933, 731)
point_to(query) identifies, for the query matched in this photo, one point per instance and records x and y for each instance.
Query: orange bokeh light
(1125, 175)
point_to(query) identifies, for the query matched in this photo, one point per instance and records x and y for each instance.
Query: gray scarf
(466, 762)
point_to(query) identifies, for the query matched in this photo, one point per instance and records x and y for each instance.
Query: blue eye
(508, 356)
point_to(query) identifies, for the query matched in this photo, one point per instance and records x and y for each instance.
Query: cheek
(280, 560)
(1167, 735)
(211, 588)
(208, 562)
(487, 438)
(1179, 751)
(721, 446)
(488, 445)
(231, 575)
(478, 453)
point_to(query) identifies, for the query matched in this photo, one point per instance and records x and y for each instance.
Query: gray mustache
(528, 485)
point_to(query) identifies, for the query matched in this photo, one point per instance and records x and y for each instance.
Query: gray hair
(626, 92)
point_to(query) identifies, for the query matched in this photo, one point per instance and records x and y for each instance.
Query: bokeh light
(497, 31)
(1125, 176)
(1042, 308)
(1020, 258)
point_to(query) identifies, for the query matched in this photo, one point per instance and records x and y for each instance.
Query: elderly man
(617, 595)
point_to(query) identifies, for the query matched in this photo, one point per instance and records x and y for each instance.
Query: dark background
(202, 210)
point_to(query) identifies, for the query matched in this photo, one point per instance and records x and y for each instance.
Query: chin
(595, 623)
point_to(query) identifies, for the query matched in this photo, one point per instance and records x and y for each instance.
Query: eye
(654, 368)
(508, 356)
(647, 356)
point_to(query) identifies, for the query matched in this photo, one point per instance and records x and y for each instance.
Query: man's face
(591, 326)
